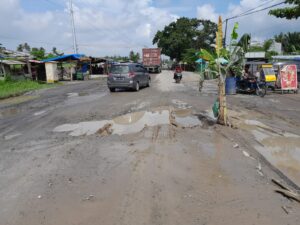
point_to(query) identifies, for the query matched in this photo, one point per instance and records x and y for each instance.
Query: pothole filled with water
(134, 122)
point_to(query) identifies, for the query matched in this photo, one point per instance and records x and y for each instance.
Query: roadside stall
(70, 67)
(287, 78)
(12, 68)
(99, 67)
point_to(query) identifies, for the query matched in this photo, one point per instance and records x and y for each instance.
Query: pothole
(133, 123)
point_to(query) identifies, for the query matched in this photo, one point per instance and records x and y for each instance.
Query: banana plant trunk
(222, 119)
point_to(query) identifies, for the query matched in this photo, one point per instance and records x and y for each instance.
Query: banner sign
(288, 77)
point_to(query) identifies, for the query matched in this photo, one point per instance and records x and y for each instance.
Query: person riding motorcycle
(178, 70)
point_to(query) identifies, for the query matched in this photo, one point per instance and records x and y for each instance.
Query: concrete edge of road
(263, 160)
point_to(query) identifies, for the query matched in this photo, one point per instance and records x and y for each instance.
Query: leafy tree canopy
(135, 57)
(184, 34)
(290, 42)
(292, 12)
(38, 53)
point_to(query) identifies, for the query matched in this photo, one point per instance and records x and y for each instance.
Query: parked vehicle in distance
(129, 76)
(152, 59)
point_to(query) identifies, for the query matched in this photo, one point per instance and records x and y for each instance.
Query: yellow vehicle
(268, 74)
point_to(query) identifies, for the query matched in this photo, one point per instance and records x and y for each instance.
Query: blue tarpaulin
(199, 60)
(65, 57)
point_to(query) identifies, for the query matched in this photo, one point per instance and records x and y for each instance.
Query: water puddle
(184, 119)
(132, 123)
(180, 104)
(280, 148)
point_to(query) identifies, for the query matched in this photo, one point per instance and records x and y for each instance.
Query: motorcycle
(252, 86)
(177, 77)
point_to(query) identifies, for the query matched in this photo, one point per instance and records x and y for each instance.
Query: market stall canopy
(66, 58)
(287, 57)
(35, 61)
(11, 62)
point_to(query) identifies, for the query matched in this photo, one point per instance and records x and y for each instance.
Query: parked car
(128, 75)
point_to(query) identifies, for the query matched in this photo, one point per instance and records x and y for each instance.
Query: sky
(114, 27)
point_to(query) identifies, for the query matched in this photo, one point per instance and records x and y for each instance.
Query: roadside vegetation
(10, 88)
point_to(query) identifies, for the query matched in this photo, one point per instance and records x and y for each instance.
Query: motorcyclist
(177, 70)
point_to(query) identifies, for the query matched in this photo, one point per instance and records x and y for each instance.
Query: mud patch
(280, 148)
(18, 100)
(184, 118)
(78, 98)
(133, 123)
(180, 104)
(9, 112)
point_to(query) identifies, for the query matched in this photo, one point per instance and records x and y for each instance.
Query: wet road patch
(133, 123)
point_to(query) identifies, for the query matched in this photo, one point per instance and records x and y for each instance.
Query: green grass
(15, 88)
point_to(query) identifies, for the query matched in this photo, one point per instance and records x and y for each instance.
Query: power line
(265, 3)
(269, 7)
(249, 12)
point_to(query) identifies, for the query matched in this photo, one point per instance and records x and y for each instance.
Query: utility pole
(225, 35)
(75, 46)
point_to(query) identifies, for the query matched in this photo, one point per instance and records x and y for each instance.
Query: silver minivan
(128, 75)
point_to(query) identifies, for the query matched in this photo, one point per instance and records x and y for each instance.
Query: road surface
(78, 154)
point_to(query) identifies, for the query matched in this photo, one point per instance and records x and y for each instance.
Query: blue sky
(114, 27)
(181, 7)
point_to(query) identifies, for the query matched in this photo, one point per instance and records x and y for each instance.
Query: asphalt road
(78, 154)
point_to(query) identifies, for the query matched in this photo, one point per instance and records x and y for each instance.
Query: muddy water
(185, 118)
(132, 123)
(282, 149)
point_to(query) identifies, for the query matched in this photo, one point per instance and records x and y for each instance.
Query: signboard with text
(288, 77)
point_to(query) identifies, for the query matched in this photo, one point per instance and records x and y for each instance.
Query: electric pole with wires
(75, 46)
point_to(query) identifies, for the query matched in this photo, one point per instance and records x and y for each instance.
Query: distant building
(276, 47)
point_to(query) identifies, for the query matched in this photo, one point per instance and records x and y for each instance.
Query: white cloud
(208, 12)
(104, 27)
(260, 25)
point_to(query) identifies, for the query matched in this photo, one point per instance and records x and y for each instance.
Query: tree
(56, 53)
(135, 57)
(292, 12)
(38, 53)
(235, 58)
(184, 34)
(244, 42)
(190, 56)
(24, 47)
(2, 48)
(290, 42)
(20, 48)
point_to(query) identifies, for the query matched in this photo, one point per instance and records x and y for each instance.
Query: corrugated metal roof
(255, 55)
(11, 62)
(287, 57)
(65, 57)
